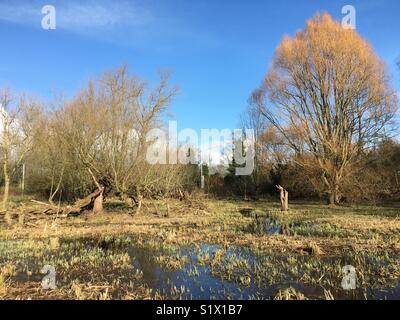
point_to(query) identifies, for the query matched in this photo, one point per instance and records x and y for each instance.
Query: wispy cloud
(134, 23)
(78, 16)
(107, 15)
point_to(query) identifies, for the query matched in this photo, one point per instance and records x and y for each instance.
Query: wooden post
(23, 179)
(201, 176)
(284, 197)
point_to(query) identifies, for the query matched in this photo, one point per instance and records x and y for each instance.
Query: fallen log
(73, 210)
(42, 203)
(83, 204)
(87, 201)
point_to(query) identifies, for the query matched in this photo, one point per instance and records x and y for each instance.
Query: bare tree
(105, 127)
(17, 116)
(330, 97)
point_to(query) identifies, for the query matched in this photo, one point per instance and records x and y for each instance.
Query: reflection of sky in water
(201, 286)
(205, 286)
(201, 281)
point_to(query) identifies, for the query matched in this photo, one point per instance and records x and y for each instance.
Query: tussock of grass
(289, 294)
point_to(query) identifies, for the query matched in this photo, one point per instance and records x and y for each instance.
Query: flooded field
(198, 271)
(214, 272)
(222, 250)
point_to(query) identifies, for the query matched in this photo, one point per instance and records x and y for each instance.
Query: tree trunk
(127, 200)
(6, 185)
(286, 207)
(139, 200)
(337, 195)
(53, 193)
(6, 192)
(334, 196)
(139, 205)
(284, 197)
(98, 204)
(331, 198)
(98, 201)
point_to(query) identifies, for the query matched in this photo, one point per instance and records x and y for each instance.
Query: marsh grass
(98, 257)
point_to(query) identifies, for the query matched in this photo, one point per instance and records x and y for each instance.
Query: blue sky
(218, 50)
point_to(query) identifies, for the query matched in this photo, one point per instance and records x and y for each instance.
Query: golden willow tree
(328, 95)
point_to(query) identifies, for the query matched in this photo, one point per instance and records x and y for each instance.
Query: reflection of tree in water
(145, 261)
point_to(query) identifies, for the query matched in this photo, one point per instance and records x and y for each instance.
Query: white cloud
(79, 16)
(131, 23)
(109, 14)
(19, 13)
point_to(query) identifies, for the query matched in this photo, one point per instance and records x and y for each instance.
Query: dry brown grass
(219, 221)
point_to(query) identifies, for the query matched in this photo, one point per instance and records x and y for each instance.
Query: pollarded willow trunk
(337, 195)
(98, 201)
(331, 199)
(284, 197)
(98, 204)
(129, 201)
(332, 185)
(132, 201)
(334, 196)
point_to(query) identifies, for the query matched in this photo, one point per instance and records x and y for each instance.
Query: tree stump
(284, 197)
(98, 205)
